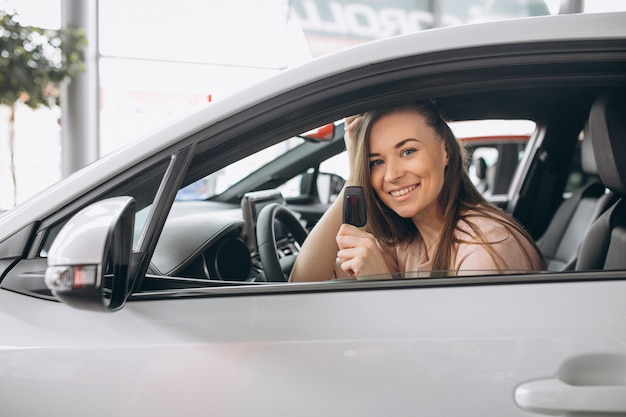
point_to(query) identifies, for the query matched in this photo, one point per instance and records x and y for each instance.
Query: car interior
(561, 241)
(604, 245)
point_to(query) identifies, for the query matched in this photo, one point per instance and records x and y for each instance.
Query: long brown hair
(458, 201)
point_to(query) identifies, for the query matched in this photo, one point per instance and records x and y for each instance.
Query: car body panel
(366, 351)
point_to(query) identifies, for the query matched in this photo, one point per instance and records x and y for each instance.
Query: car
(153, 281)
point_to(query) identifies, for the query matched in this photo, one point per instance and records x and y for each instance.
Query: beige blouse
(510, 252)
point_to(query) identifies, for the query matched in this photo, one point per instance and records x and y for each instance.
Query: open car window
(206, 239)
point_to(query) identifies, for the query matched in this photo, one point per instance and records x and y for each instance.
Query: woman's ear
(446, 156)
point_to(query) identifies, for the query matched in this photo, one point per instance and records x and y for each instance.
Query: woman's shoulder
(490, 225)
(491, 238)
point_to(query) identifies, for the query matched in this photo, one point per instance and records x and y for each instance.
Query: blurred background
(151, 62)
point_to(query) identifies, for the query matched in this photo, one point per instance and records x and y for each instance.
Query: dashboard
(215, 241)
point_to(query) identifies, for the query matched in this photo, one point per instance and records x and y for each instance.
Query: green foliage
(34, 61)
(33, 64)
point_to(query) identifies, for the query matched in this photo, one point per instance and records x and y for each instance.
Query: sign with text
(331, 25)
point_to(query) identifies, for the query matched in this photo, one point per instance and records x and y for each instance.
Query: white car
(136, 288)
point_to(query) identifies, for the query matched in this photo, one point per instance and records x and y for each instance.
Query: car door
(435, 347)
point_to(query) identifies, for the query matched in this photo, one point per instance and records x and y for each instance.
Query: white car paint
(365, 353)
(85, 235)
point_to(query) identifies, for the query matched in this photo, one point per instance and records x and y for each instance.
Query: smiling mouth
(400, 193)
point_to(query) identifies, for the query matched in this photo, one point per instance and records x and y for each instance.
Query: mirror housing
(89, 260)
(324, 133)
(329, 186)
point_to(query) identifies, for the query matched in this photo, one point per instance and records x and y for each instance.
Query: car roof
(544, 29)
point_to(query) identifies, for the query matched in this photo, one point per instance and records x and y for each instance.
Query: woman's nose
(394, 171)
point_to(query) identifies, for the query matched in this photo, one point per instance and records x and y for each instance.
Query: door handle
(553, 396)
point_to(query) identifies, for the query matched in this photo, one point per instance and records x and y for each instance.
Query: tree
(33, 64)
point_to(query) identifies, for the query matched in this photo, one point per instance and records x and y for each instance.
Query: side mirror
(324, 133)
(329, 186)
(88, 262)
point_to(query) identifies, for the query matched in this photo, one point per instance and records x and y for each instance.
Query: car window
(219, 181)
(142, 187)
(494, 149)
(211, 236)
(332, 169)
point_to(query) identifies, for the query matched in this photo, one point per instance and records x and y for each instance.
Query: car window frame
(259, 126)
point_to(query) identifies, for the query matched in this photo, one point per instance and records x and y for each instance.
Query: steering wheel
(266, 238)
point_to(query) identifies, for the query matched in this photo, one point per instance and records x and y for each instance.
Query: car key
(354, 211)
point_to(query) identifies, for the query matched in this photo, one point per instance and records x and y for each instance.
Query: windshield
(222, 180)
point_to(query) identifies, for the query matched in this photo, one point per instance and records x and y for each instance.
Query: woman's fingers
(351, 236)
(358, 252)
(351, 125)
(351, 119)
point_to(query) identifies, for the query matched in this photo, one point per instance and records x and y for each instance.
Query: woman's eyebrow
(404, 142)
(397, 145)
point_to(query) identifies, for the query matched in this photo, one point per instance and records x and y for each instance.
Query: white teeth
(403, 191)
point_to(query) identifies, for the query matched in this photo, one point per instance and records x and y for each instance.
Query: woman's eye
(375, 162)
(408, 152)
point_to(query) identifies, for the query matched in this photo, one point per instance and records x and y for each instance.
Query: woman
(424, 213)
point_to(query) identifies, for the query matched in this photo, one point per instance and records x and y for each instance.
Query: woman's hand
(351, 125)
(359, 252)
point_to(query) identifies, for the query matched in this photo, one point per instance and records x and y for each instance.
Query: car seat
(604, 246)
(561, 241)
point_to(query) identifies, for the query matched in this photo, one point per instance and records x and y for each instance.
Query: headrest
(481, 168)
(588, 158)
(607, 122)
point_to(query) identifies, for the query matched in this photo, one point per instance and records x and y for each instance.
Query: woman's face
(407, 163)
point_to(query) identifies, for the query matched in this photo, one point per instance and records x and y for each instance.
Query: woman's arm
(317, 258)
